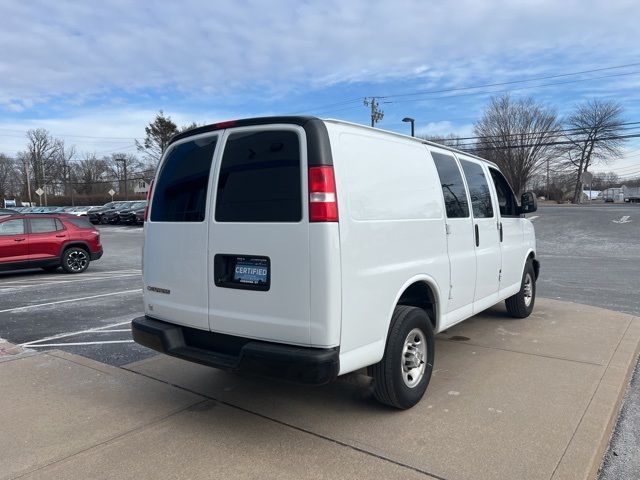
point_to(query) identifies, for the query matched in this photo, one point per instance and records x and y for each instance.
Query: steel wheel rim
(77, 260)
(414, 356)
(528, 289)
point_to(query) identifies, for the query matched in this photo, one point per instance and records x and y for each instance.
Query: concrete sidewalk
(526, 399)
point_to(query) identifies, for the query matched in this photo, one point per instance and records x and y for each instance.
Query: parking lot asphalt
(589, 255)
(86, 314)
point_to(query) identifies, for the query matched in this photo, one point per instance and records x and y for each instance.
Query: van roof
(303, 120)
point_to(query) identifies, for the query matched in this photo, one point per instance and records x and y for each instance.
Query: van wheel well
(420, 295)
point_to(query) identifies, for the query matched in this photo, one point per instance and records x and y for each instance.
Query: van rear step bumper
(310, 366)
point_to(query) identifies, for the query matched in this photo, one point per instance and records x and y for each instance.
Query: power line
(495, 84)
(623, 126)
(512, 82)
(519, 88)
(543, 144)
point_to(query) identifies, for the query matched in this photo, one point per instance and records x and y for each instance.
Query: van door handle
(60, 236)
(500, 228)
(477, 236)
(19, 239)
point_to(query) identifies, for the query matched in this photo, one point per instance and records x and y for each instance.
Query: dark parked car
(129, 216)
(7, 211)
(96, 215)
(113, 215)
(48, 241)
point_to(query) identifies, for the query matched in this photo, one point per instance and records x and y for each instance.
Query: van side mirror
(528, 202)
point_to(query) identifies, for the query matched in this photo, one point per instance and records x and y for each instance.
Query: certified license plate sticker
(251, 271)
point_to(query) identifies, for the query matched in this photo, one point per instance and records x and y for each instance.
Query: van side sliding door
(460, 241)
(486, 234)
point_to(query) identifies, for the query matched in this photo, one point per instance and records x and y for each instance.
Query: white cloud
(444, 127)
(103, 131)
(79, 49)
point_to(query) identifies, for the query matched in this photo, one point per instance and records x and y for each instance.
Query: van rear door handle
(477, 236)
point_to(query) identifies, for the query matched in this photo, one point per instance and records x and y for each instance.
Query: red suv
(48, 242)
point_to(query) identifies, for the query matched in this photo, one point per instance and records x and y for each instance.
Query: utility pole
(547, 178)
(124, 166)
(376, 113)
(44, 184)
(26, 172)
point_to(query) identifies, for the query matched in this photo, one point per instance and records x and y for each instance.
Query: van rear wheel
(521, 304)
(402, 376)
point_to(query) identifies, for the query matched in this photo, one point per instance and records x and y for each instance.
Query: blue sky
(96, 74)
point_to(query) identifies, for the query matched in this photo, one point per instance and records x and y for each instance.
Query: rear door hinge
(447, 228)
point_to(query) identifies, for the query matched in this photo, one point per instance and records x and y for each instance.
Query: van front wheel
(401, 377)
(521, 304)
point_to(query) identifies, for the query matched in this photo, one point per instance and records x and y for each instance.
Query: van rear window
(259, 178)
(180, 194)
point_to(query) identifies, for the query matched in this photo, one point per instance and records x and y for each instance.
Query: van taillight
(323, 202)
(146, 207)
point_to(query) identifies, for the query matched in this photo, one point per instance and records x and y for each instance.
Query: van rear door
(176, 234)
(259, 236)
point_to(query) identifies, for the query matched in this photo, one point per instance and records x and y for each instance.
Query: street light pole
(124, 165)
(413, 125)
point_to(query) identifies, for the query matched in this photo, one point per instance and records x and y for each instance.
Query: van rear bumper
(311, 366)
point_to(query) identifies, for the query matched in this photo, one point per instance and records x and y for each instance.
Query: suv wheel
(104, 220)
(521, 304)
(403, 374)
(75, 260)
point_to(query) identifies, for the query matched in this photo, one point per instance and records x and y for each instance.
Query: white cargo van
(306, 249)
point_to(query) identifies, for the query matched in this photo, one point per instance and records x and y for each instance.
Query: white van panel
(325, 275)
(175, 262)
(183, 245)
(394, 195)
(280, 314)
(372, 272)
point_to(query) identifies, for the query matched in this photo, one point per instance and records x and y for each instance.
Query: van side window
(455, 195)
(478, 189)
(506, 198)
(180, 194)
(259, 178)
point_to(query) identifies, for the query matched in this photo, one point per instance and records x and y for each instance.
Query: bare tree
(116, 168)
(90, 174)
(516, 135)
(593, 132)
(66, 155)
(43, 156)
(9, 176)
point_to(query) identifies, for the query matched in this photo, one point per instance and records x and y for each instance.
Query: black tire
(389, 384)
(521, 304)
(75, 260)
(51, 268)
(104, 220)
